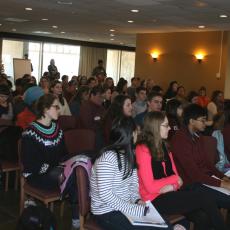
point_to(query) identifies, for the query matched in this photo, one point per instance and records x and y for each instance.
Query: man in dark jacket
(191, 160)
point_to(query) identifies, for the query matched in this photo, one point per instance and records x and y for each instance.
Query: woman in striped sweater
(114, 183)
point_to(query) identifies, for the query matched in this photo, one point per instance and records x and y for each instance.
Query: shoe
(29, 203)
(75, 223)
(178, 227)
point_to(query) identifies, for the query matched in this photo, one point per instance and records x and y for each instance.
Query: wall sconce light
(155, 56)
(199, 57)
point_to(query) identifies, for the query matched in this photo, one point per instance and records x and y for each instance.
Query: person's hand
(180, 182)
(225, 184)
(166, 188)
(225, 178)
(141, 202)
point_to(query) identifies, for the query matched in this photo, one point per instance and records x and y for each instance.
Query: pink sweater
(149, 187)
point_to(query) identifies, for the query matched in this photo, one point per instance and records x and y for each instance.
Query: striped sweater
(109, 192)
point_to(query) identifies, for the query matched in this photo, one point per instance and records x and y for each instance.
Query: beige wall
(177, 60)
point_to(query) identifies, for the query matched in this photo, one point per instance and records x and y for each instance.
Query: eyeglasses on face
(165, 125)
(57, 107)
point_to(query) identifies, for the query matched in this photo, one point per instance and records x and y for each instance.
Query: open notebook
(153, 218)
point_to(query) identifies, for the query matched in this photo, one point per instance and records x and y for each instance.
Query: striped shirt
(109, 192)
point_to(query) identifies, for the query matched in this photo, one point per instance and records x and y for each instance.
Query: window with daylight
(66, 58)
(120, 64)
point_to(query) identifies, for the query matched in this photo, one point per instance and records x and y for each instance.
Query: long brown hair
(151, 136)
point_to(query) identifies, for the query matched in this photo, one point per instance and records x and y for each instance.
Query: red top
(203, 101)
(25, 118)
(149, 187)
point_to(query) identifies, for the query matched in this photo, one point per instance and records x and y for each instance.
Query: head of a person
(202, 91)
(109, 82)
(47, 107)
(100, 62)
(107, 93)
(155, 131)
(91, 82)
(96, 95)
(173, 85)
(52, 62)
(44, 82)
(181, 91)
(18, 85)
(217, 96)
(134, 82)
(193, 97)
(100, 78)
(174, 108)
(195, 117)
(65, 78)
(141, 93)
(36, 218)
(154, 101)
(150, 83)
(123, 136)
(32, 94)
(4, 94)
(72, 86)
(122, 86)
(82, 94)
(56, 87)
(82, 80)
(157, 89)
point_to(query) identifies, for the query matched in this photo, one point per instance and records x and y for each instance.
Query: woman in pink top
(159, 181)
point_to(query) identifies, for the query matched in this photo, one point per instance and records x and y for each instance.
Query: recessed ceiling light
(63, 32)
(223, 16)
(44, 19)
(130, 21)
(121, 43)
(28, 9)
(14, 30)
(112, 30)
(64, 3)
(0, 24)
(112, 35)
(112, 39)
(201, 27)
(135, 11)
(91, 39)
(55, 27)
(41, 32)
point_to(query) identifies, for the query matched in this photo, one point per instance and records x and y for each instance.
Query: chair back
(83, 190)
(67, 122)
(79, 140)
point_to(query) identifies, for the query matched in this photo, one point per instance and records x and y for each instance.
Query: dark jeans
(222, 200)
(198, 206)
(50, 181)
(117, 221)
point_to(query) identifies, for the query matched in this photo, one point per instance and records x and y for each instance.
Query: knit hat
(33, 94)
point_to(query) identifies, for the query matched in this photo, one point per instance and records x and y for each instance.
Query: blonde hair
(151, 136)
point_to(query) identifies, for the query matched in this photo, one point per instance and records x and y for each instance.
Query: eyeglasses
(166, 125)
(57, 107)
(202, 120)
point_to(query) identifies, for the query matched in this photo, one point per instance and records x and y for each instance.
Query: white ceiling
(91, 20)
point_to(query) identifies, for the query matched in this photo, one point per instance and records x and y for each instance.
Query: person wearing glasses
(191, 157)
(160, 182)
(43, 149)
